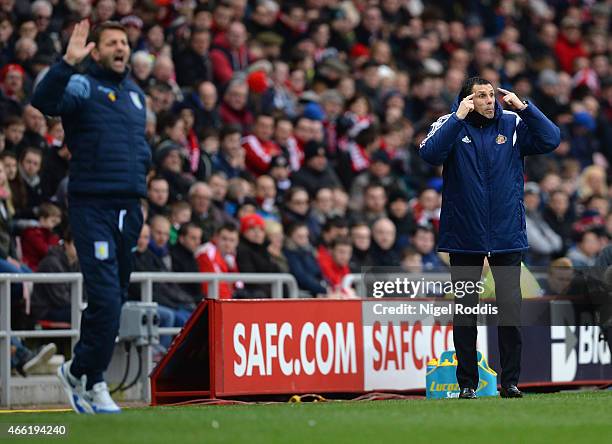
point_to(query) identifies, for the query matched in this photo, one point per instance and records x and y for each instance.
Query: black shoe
(467, 393)
(511, 391)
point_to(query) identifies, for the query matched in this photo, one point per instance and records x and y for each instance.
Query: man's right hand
(78, 48)
(465, 107)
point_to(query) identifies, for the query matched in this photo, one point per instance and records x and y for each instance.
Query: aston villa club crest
(500, 139)
(136, 99)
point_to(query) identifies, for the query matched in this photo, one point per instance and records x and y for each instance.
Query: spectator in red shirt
(233, 109)
(259, 147)
(569, 44)
(335, 270)
(36, 241)
(219, 256)
(230, 53)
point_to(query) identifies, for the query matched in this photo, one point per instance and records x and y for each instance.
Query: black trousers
(506, 269)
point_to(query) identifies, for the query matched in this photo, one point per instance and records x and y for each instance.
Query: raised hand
(512, 99)
(465, 107)
(78, 48)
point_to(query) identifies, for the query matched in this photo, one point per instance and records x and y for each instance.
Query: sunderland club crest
(500, 139)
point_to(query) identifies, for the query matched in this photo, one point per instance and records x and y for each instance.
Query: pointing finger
(469, 97)
(504, 91)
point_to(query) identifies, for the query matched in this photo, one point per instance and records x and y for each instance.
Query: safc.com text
(265, 349)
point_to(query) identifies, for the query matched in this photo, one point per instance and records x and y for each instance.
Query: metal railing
(146, 280)
(6, 333)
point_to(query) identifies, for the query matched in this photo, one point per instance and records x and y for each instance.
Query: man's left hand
(512, 99)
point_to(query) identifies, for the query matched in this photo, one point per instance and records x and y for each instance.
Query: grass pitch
(571, 417)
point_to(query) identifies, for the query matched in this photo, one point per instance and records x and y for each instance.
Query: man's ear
(95, 54)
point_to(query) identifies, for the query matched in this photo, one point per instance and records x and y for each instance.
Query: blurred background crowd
(284, 134)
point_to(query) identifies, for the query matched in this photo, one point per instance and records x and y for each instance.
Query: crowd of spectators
(284, 135)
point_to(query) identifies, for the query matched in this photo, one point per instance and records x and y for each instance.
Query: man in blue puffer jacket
(103, 114)
(482, 147)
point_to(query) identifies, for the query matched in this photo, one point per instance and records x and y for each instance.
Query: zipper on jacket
(488, 191)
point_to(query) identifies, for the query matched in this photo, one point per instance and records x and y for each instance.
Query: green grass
(572, 417)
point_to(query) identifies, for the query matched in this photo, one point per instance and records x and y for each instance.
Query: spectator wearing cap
(302, 260)
(12, 94)
(316, 172)
(233, 109)
(280, 172)
(569, 44)
(259, 147)
(133, 25)
(230, 53)
(252, 255)
(230, 159)
(379, 170)
(219, 256)
(544, 243)
(169, 165)
(193, 64)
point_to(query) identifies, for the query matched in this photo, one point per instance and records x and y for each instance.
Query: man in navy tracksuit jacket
(481, 147)
(103, 114)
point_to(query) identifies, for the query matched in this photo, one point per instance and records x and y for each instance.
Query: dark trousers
(506, 270)
(105, 233)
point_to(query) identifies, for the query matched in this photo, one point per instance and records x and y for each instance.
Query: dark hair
(30, 149)
(228, 130)
(334, 222)
(227, 226)
(155, 179)
(186, 227)
(367, 135)
(292, 228)
(342, 240)
(98, 30)
(466, 88)
(12, 120)
(425, 228)
(67, 235)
